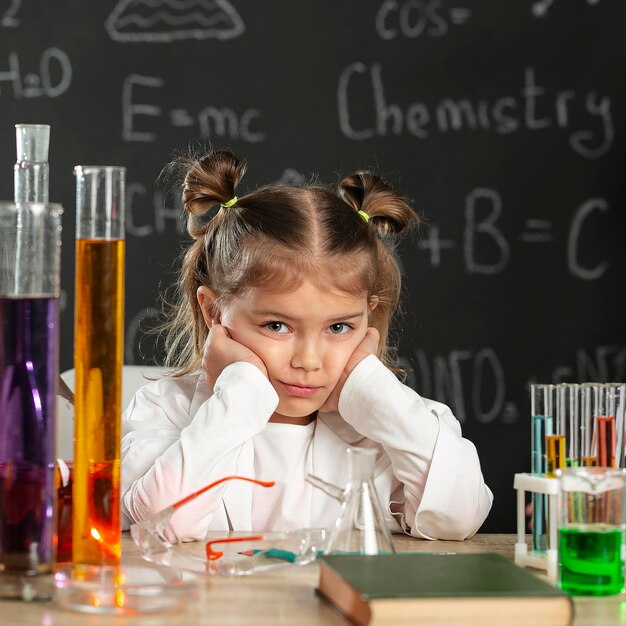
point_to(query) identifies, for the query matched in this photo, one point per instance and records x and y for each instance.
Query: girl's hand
(220, 350)
(369, 345)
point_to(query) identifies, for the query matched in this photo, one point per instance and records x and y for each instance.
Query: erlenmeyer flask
(360, 527)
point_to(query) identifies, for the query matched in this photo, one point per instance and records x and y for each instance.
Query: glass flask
(98, 358)
(30, 241)
(361, 526)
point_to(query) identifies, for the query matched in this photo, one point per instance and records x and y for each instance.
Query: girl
(280, 361)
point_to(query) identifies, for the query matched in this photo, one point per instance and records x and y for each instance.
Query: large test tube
(98, 357)
(30, 240)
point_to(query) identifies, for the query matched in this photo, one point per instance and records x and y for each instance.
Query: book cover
(423, 588)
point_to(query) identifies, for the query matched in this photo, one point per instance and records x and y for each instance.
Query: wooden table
(285, 597)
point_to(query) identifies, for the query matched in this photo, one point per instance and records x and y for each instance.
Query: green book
(420, 588)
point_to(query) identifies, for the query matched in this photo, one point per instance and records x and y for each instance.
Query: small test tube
(604, 417)
(555, 442)
(542, 409)
(573, 425)
(568, 422)
(589, 454)
(618, 399)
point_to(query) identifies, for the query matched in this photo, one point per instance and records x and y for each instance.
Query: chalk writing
(164, 21)
(487, 230)
(435, 245)
(538, 231)
(476, 380)
(487, 249)
(8, 17)
(599, 364)
(534, 109)
(540, 8)
(449, 377)
(143, 220)
(574, 264)
(413, 18)
(53, 80)
(292, 177)
(212, 121)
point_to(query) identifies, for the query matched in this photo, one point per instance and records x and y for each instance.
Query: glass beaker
(591, 524)
(361, 526)
(98, 358)
(30, 241)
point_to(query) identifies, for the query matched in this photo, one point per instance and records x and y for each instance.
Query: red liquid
(64, 517)
(100, 538)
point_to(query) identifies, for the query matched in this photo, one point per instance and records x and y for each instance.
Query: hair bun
(388, 211)
(209, 180)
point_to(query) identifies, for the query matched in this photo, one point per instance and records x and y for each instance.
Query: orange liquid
(555, 453)
(98, 358)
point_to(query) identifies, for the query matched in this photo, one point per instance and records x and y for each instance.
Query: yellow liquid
(555, 453)
(98, 358)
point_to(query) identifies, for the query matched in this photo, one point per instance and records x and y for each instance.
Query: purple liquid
(28, 378)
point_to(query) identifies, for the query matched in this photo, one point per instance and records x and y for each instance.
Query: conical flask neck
(361, 464)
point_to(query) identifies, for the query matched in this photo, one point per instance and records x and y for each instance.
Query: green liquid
(590, 560)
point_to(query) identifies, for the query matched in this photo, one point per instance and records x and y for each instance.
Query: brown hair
(276, 235)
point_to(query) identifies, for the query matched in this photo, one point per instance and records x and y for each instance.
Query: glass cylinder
(30, 241)
(98, 358)
(31, 167)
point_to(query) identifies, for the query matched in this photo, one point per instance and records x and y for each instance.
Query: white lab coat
(179, 437)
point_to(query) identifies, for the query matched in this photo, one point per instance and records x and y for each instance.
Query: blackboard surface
(503, 121)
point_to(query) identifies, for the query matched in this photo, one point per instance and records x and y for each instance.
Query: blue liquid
(541, 426)
(28, 379)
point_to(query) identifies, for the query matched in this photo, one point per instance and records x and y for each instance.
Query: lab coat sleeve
(443, 494)
(168, 453)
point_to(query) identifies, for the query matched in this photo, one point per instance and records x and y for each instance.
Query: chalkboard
(503, 121)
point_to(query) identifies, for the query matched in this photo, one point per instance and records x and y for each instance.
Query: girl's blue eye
(339, 328)
(277, 327)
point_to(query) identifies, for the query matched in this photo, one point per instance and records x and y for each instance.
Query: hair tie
(364, 215)
(231, 202)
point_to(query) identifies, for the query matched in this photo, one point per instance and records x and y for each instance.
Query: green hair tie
(364, 215)
(231, 202)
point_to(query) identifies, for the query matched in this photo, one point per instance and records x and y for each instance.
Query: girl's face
(305, 338)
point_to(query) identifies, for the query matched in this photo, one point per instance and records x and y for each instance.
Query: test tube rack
(524, 557)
